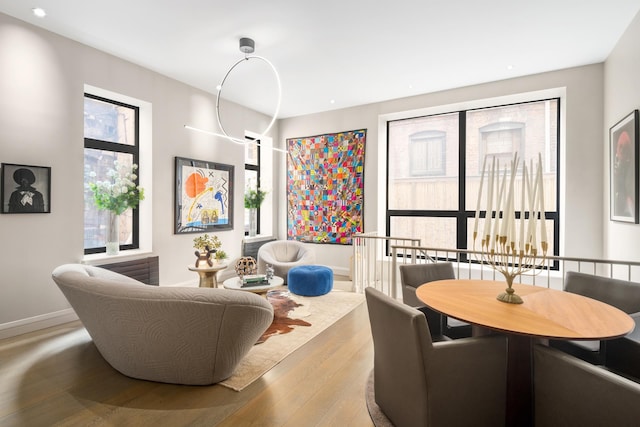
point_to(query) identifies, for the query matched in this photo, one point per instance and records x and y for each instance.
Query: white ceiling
(353, 52)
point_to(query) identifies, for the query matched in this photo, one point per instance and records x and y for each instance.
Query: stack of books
(254, 280)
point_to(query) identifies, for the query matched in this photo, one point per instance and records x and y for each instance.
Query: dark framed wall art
(25, 189)
(203, 196)
(623, 155)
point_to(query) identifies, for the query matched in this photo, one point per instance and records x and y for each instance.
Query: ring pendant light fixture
(247, 46)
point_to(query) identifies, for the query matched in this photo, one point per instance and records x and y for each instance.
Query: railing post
(393, 270)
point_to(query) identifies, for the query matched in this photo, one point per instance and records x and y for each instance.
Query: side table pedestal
(208, 274)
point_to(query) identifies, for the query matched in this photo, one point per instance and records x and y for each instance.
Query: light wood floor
(56, 377)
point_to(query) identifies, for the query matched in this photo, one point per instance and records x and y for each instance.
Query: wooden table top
(545, 313)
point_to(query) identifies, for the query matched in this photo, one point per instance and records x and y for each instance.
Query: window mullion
(461, 229)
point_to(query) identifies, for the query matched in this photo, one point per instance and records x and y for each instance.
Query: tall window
(251, 178)
(111, 131)
(434, 197)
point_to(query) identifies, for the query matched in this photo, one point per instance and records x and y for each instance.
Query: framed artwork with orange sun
(204, 196)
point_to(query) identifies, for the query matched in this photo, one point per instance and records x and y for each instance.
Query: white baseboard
(341, 271)
(36, 323)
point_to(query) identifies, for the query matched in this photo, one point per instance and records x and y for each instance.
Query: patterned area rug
(319, 312)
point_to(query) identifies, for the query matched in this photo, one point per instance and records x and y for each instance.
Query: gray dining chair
(421, 383)
(571, 392)
(622, 294)
(414, 275)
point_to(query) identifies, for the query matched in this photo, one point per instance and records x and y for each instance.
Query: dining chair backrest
(418, 382)
(620, 355)
(571, 392)
(622, 294)
(414, 275)
(401, 341)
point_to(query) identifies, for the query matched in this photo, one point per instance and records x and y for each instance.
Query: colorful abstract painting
(203, 196)
(325, 187)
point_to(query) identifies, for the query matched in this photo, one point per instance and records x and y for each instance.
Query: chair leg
(623, 357)
(456, 332)
(434, 320)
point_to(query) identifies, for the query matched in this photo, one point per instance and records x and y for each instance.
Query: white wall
(622, 96)
(581, 168)
(42, 78)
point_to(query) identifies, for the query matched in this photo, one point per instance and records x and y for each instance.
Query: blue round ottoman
(310, 280)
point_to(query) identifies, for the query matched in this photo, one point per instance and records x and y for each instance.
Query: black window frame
(463, 215)
(116, 147)
(254, 168)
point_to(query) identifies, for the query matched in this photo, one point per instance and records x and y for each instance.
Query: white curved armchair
(178, 335)
(283, 255)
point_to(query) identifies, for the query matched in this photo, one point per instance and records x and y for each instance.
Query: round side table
(207, 274)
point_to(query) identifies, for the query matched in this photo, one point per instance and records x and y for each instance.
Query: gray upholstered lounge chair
(414, 275)
(421, 383)
(283, 255)
(570, 392)
(167, 334)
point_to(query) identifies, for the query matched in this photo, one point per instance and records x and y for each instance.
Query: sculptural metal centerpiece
(510, 243)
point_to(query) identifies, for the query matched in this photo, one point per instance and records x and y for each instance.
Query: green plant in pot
(253, 198)
(221, 255)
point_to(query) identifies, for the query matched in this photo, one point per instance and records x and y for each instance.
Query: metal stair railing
(376, 260)
(370, 260)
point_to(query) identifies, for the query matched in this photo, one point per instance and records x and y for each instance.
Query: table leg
(207, 280)
(519, 411)
(214, 279)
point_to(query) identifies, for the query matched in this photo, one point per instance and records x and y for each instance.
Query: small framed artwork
(203, 195)
(623, 155)
(25, 189)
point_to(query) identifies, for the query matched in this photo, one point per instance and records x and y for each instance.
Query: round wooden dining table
(545, 313)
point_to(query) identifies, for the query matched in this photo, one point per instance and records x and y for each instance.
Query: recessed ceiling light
(39, 12)
(333, 101)
(509, 67)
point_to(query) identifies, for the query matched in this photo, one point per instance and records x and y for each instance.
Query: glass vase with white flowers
(116, 194)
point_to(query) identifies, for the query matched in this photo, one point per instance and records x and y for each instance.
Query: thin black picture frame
(624, 175)
(203, 196)
(25, 189)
